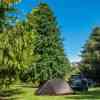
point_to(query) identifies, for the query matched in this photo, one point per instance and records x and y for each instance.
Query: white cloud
(75, 59)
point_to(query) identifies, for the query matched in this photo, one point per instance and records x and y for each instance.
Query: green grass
(20, 92)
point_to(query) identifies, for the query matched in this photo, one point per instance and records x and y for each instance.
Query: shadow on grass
(28, 86)
(92, 95)
(10, 94)
(11, 98)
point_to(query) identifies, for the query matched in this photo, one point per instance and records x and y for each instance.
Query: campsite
(49, 50)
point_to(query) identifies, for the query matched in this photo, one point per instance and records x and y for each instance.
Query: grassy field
(27, 93)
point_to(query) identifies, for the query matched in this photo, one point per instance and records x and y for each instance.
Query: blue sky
(76, 19)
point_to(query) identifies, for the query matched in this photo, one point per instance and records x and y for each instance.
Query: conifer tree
(91, 56)
(51, 62)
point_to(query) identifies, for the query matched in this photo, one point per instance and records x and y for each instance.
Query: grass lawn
(20, 92)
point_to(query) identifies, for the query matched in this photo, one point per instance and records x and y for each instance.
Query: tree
(50, 62)
(16, 52)
(6, 8)
(6, 19)
(91, 56)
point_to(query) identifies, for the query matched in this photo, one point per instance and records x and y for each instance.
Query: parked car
(79, 83)
(91, 83)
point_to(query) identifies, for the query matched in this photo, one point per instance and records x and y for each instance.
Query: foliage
(91, 56)
(16, 51)
(50, 61)
(35, 43)
(5, 47)
(10, 1)
(6, 8)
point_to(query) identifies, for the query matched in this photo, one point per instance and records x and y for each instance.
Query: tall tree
(51, 61)
(16, 52)
(91, 56)
(6, 9)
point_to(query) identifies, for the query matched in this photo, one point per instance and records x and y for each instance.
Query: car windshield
(76, 82)
(76, 77)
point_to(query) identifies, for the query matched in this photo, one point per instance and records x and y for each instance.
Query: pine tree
(91, 56)
(51, 62)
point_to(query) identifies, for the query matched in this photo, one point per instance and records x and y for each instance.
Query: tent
(55, 87)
